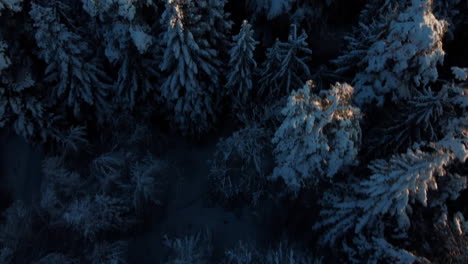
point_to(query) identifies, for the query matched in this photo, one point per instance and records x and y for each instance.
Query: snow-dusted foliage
(454, 235)
(286, 65)
(191, 67)
(129, 45)
(377, 250)
(194, 249)
(460, 74)
(135, 79)
(58, 186)
(74, 74)
(281, 254)
(449, 188)
(242, 254)
(145, 178)
(91, 215)
(242, 65)
(13, 5)
(277, 7)
(300, 11)
(141, 39)
(101, 88)
(19, 105)
(405, 52)
(108, 168)
(364, 35)
(376, 10)
(240, 164)
(118, 190)
(427, 116)
(138, 69)
(319, 135)
(287, 255)
(124, 8)
(217, 22)
(393, 185)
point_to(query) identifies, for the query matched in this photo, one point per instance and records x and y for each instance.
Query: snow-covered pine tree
(241, 65)
(292, 71)
(398, 55)
(129, 45)
(76, 76)
(319, 135)
(394, 184)
(191, 68)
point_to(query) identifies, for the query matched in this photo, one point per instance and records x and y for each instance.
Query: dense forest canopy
(233, 132)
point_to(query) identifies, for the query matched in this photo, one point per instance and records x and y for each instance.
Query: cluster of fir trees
(92, 59)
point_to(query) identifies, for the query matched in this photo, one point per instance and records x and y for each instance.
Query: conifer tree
(74, 74)
(392, 187)
(319, 135)
(129, 45)
(218, 22)
(242, 65)
(397, 54)
(191, 67)
(292, 71)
